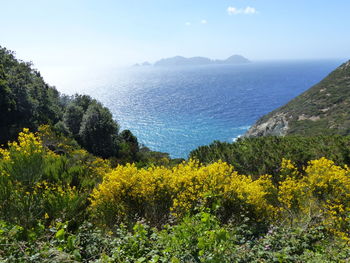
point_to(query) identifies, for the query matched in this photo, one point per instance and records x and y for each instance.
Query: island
(197, 61)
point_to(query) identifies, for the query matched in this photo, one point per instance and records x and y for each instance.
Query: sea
(177, 109)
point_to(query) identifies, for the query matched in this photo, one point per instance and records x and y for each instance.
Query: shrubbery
(38, 185)
(321, 192)
(199, 238)
(263, 155)
(156, 193)
(59, 203)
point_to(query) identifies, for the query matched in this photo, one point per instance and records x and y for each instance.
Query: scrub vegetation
(73, 188)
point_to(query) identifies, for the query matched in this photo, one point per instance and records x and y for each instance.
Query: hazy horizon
(61, 37)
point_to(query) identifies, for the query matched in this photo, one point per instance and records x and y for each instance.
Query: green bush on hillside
(263, 155)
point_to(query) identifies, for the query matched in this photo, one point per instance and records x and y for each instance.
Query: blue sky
(92, 33)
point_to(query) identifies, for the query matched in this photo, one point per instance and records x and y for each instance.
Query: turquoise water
(175, 110)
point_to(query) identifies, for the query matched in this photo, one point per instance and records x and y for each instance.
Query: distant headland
(195, 61)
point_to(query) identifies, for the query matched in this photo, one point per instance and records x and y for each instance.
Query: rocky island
(197, 61)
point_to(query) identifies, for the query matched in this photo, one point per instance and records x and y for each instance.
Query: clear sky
(74, 33)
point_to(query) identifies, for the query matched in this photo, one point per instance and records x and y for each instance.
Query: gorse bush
(320, 193)
(38, 185)
(157, 193)
(50, 189)
(323, 194)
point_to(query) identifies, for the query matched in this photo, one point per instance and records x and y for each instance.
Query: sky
(57, 34)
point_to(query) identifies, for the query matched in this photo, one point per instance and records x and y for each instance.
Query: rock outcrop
(276, 125)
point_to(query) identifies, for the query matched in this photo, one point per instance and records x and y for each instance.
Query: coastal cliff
(276, 125)
(322, 109)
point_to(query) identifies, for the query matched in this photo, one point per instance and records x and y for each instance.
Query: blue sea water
(175, 110)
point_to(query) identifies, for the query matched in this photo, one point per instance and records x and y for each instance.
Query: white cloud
(245, 11)
(203, 21)
(187, 23)
(232, 10)
(249, 10)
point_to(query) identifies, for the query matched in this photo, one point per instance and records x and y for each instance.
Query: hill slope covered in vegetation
(321, 110)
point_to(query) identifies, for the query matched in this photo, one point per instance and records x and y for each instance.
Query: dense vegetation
(264, 155)
(321, 110)
(25, 99)
(58, 203)
(78, 190)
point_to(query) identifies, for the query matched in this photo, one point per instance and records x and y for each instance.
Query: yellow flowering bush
(320, 193)
(255, 198)
(157, 192)
(323, 193)
(330, 184)
(23, 160)
(127, 192)
(37, 183)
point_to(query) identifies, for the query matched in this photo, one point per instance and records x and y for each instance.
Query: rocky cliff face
(276, 125)
(323, 109)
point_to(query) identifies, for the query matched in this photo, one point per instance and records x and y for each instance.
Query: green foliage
(38, 185)
(25, 99)
(148, 158)
(44, 204)
(199, 238)
(98, 132)
(263, 155)
(322, 109)
(129, 146)
(72, 118)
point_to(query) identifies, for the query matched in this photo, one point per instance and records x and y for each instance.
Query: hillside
(321, 110)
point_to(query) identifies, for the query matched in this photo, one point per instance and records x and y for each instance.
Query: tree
(7, 105)
(129, 145)
(26, 101)
(72, 118)
(99, 132)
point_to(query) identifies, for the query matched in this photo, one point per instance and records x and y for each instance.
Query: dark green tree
(83, 101)
(99, 132)
(129, 146)
(25, 99)
(72, 118)
(7, 105)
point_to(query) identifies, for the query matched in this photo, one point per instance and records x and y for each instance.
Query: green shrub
(38, 185)
(263, 155)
